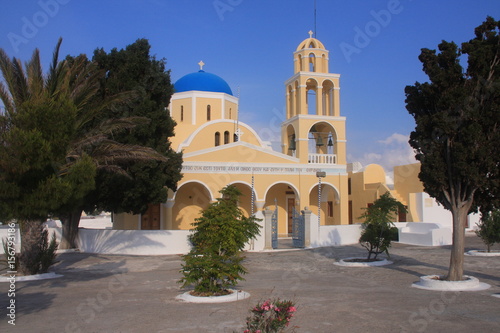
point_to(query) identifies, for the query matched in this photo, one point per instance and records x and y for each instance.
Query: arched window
(311, 101)
(226, 137)
(182, 112)
(209, 115)
(312, 62)
(217, 139)
(230, 113)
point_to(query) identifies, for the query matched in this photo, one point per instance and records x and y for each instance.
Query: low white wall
(134, 242)
(334, 235)
(425, 234)
(4, 233)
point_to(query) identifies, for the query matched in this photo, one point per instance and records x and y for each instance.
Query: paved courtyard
(106, 293)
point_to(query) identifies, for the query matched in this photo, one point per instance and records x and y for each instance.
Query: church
(218, 150)
(310, 173)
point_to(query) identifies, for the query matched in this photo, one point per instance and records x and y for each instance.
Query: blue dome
(202, 81)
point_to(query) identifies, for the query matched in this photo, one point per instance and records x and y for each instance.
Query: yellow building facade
(219, 150)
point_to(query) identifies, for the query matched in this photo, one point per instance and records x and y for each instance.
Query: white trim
(193, 110)
(310, 75)
(223, 111)
(312, 117)
(323, 183)
(212, 198)
(204, 94)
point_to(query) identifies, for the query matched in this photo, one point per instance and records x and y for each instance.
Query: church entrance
(150, 220)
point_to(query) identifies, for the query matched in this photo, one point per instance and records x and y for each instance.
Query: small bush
(378, 229)
(489, 229)
(37, 253)
(220, 235)
(48, 251)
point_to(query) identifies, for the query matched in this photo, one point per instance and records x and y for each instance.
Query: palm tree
(88, 139)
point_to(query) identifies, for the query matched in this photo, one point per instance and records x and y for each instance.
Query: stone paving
(106, 293)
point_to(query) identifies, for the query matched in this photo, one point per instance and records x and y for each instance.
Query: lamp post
(319, 174)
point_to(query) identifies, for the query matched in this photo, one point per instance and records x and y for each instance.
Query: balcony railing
(322, 158)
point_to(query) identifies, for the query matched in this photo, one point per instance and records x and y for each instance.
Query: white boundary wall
(134, 242)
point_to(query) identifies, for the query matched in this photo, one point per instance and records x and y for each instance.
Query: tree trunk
(31, 236)
(456, 269)
(70, 224)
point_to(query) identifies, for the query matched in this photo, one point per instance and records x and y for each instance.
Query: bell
(291, 146)
(319, 142)
(330, 142)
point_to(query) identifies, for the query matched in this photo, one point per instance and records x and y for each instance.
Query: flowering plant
(270, 316)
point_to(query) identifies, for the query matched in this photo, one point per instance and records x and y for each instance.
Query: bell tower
(313, 130)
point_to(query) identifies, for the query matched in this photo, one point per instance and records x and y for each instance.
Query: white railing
(322, 158)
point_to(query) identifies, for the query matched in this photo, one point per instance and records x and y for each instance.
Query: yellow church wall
(406, 183)
(366, 186)
(237, 153)
(406, 179)
(202, 109)
(180, 111)
(231, 110)
(374, 173)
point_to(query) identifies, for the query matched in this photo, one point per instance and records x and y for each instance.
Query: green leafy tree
(220, 234)
(135, 69)
(457, 137)
(489, 229)
(378, 230)
(125, 97)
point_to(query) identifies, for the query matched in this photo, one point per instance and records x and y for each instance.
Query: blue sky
(374, 45)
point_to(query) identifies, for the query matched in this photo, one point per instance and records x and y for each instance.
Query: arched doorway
(329, 203)
(190, 199)
(283, 197)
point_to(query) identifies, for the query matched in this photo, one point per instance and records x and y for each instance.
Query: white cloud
(389, 152)
(395, 138)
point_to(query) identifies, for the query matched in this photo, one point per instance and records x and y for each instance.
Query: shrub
(38, 254)
(270, 316)
(489, 229)
(220, 234)
(378, 229)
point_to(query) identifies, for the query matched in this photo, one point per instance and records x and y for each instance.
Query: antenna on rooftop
(315, 36)
(237, 130)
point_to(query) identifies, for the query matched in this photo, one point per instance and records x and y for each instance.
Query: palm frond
(20, 91)
(112, 152)
(6, 99)
(35, 75)
(7, 69)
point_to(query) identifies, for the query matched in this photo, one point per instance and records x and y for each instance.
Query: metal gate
(298, 229)
(274, 228)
